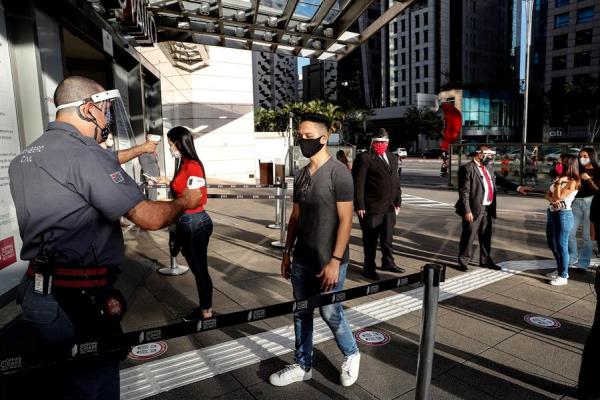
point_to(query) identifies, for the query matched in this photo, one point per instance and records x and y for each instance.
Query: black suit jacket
(471, 190)
(376, 184)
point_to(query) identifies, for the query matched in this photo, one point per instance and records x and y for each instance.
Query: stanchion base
(274, 226)
(178, 270)
(278, 244)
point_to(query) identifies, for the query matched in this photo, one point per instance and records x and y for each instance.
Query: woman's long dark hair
(184, 141)
(571, 167)
(593, 156)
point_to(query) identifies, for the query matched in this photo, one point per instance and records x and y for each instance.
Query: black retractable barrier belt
(109, 344)
(246, 196)
(219, 186)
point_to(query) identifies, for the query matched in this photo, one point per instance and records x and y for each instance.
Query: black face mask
(310, 147)
(486, 160)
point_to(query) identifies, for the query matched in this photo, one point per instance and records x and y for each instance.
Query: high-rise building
(319, 80)
(275, 80)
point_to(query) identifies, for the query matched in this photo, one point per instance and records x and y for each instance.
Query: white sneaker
(552, 274)
(559, 281)
(350, 367)
(290, 374)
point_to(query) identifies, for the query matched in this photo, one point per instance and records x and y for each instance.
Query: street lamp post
(529, 5)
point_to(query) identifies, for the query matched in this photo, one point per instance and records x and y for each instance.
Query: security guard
(69, 194)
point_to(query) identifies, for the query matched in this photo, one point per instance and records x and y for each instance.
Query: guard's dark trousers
(378, 228)
(482, 228)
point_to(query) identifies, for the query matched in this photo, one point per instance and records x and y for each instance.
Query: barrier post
(282, 231)
(431, 281)
(277, 224)
(174, 269)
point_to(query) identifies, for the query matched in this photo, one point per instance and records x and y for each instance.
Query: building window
(417, 37)
(560, 3)
(561, 20)
(418, 88)
(417, 55)
(585, 15)
(403, 41)
(560, 41)
(396, 75)
(403, 75)
(426, 54)
(425, 19)
(559, 63)
(426, 87)
(425, 36)
(403, 91)
(582, 59)
(403, 58)
(583, 37)
(425, 71)
(403, 25)
(416, 21)
(396, 92)
(582, 79)
(558, 83)
(417, 72)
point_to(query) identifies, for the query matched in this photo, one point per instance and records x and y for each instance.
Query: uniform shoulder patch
(117, 177)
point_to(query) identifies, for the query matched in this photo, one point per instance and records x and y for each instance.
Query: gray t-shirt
(317, 196)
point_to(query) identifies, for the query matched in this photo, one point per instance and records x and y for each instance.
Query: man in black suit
(476, 205)
(377, 199)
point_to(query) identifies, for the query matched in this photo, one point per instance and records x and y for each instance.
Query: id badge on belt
(42, 286)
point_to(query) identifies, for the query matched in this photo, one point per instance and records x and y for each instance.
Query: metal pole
(174, 269)
(278, 219)
(431, 279)
(282, 232)
(529, 21)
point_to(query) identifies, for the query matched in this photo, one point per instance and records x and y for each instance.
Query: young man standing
(319, 227)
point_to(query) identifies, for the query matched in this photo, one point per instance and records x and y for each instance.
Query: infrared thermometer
(195, 182)
(154, 138)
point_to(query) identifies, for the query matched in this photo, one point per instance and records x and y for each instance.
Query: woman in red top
(194, 227)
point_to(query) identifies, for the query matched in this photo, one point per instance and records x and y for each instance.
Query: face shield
(116, 118)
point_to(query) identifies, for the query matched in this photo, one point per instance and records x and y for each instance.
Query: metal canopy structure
(316, 29)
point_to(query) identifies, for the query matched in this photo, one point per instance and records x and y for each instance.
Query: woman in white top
(561, 194)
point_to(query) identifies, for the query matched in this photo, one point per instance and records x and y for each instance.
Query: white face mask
(174, 152)
(109, 141)
(584, 161)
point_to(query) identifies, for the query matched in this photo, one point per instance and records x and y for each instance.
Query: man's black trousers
(378, 228)
(482, 228)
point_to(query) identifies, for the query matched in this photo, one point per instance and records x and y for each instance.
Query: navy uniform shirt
(71, 190)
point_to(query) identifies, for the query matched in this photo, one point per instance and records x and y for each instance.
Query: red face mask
(379, 147)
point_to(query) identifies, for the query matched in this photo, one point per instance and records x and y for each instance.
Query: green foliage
(421, 120)
(272, 120)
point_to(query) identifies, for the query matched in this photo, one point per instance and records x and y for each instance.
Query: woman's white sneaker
(559, 281)
(350, 368)
(290, 374)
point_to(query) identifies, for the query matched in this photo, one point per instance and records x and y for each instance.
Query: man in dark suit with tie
(476, 205)
(377, 199)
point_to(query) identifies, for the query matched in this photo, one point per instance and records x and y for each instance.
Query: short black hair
(316, 118)
(381, 133)
(75, 88)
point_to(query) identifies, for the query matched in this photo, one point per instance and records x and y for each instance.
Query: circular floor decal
(148, 351)
(541, 321)
(372, 337)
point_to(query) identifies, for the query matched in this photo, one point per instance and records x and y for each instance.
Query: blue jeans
(581, 216)
(558, 228)
(306, 284)
(193, 234)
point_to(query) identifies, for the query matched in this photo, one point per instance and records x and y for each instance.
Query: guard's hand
(285, 266)
(163, 180)
(191, 198)
(397, 209)
(585, 176)
(361, 213)
(329, 275)
(524, 189)
(149, 146)
(469, 217)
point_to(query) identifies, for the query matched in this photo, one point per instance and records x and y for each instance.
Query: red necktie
(489, 183)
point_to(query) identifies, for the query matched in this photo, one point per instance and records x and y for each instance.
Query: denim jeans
(558, 228)
(581, 216)
(193, 234)
(306, 284)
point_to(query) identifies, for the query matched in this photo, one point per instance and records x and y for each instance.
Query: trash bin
(266, 173)
(280, 172)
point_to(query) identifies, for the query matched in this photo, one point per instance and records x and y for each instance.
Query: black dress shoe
(492, 266)
(393, 268)
(462, 268)
(371, 275)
